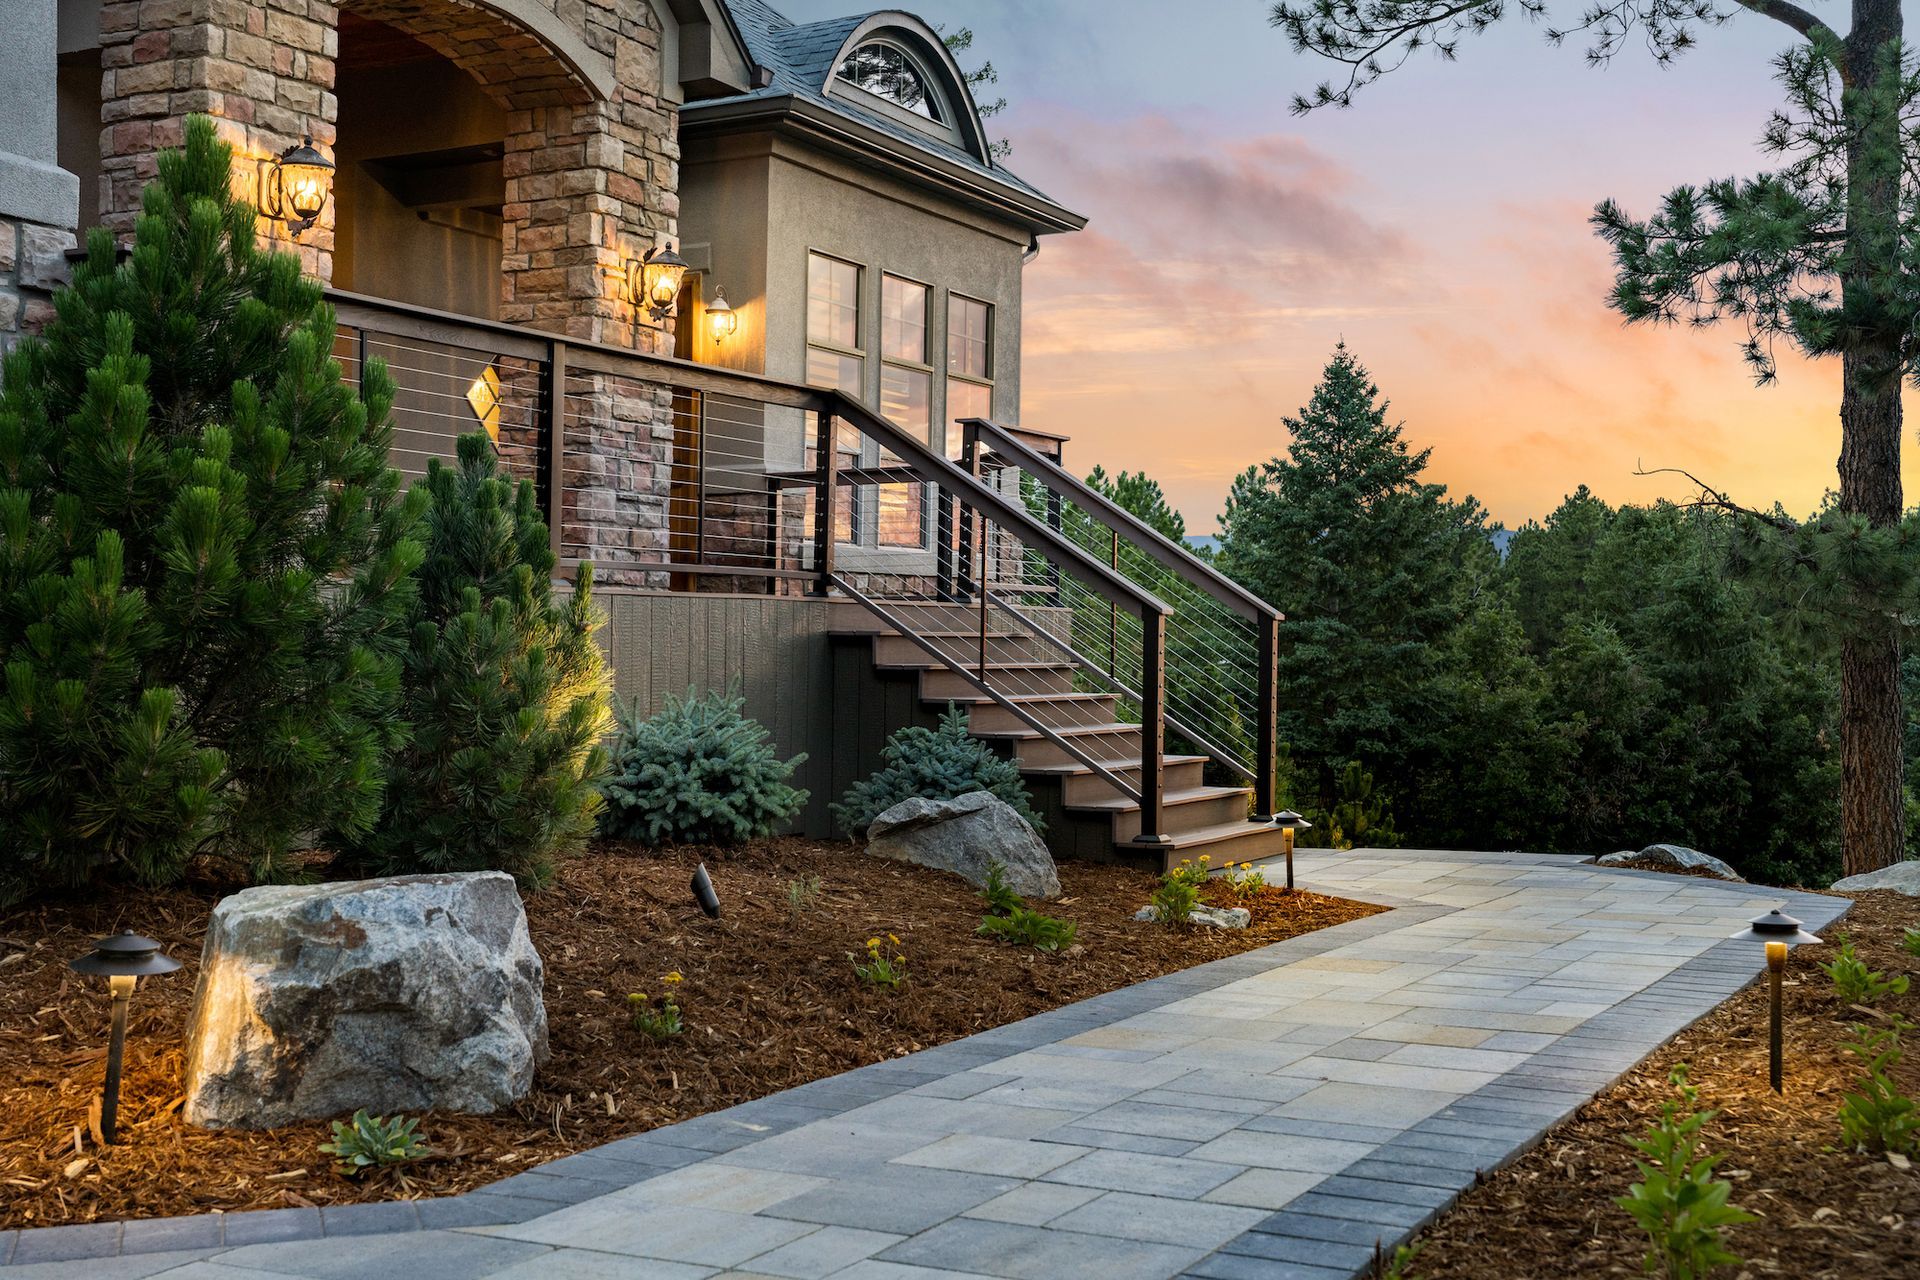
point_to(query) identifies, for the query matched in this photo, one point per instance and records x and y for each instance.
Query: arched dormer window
(885, 70)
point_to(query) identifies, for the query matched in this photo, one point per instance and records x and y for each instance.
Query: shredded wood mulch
(1824, 1212)
(769, 997)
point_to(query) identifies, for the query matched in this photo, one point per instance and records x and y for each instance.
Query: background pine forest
(1611, 677)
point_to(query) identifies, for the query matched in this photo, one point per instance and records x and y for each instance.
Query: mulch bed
(1823, 1212)
(769, 997)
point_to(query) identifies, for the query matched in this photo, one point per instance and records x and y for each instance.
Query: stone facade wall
(617, 472)
(33, 263)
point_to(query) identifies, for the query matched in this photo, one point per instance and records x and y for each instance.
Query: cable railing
(1056, 618)
(1220, 639)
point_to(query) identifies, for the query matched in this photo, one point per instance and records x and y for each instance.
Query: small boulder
(1901, 877)
(1212, 917)
(397, 995)
(1677, 856)
(966, 835)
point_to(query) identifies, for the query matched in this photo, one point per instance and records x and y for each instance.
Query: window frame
(925, 367)
(986, 383)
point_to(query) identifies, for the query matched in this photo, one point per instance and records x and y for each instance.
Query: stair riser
(991, 717)
(941, 682)
(1185, 817)
(1039, 752)
(1094, 789)
(899, 651)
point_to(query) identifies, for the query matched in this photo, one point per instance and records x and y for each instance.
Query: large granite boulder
(1677, 856)
(396, 995)
(965, 836)
(1901, 877)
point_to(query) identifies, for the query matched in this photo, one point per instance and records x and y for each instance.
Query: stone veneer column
(39, 201)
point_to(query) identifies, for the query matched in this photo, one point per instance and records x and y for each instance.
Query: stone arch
(520, 51)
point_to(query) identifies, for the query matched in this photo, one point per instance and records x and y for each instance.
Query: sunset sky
(1439, 227)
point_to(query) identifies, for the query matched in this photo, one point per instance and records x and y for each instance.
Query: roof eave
(875, 146)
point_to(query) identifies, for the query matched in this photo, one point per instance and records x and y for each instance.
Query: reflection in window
(833, 302)
(901, 521)
(965, 400)
(969, 337)
(885, 71)
(903, 320)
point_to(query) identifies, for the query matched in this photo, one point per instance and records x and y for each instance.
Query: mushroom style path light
(1289, 822)
(122, 959)
(1779, 931)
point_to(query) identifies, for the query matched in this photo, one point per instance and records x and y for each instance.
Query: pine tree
(1362, 556)
(1819, 255)
(1140, 495)
(506, 690)
(204, 558)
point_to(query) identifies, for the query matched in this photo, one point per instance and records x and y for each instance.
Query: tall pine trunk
(1872, 720)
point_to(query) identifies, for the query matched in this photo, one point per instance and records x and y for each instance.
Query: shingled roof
(800, 59)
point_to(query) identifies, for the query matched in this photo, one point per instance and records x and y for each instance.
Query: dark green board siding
(772, 649)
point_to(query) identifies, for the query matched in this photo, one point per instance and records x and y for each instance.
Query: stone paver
(1275, 1114)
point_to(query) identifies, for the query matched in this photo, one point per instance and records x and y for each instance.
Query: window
(835, 359)
(906, 397)
(888, 71)
(969, 364)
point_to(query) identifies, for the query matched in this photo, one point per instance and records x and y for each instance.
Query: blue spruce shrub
(699, 772)
(938, 764)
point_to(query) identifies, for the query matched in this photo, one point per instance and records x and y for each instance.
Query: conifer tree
(1818, 255)
(1141, 496)
(204, 558)
(506, 690)
(1362, 556)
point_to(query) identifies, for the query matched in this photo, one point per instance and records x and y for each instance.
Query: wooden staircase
(1087, 816)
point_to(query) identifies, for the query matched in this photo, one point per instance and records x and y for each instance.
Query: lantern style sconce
(1289, 823)
(1779, 931)
(722, 320)
(653, 282)
(122, 960)
(297, 187)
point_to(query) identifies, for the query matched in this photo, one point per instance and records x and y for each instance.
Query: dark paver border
(1331, 1232)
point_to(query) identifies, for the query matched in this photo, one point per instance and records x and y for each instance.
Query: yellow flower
(638, 997)
(873, 942)
(895, 941)
(673, 977)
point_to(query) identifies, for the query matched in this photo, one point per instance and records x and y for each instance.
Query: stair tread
(935, 664)
(979, 698)
(1217, 833)
(1065, 731)
(1187, 795)
(1130, 763)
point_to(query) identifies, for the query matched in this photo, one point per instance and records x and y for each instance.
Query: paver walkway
(1272, 1115)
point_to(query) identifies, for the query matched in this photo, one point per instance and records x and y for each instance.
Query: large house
(743, 298)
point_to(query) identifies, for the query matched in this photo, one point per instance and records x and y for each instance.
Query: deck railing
(676, 475)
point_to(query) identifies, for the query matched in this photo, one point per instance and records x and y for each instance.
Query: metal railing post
(986, 580)
(700, 478)
(970, 463)
(824, 505)
(556, 414)
(1153, 728)
(1267, 729)
(1113, 616)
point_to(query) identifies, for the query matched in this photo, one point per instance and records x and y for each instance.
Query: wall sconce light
(297, 187)
(1289, 822)
(1779, 931)
(653, 282)
(722, 320)
(122, 960)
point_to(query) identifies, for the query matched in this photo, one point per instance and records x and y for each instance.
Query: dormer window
(887, 71)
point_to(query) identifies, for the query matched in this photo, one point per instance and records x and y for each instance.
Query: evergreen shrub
(205, 560)
(699, 772)
(939, 764)
(506, 690)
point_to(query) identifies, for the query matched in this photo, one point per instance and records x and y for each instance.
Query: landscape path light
(703, 892)
(298, 185)
(1779, 931)
(122, 959)
(1289, 822)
